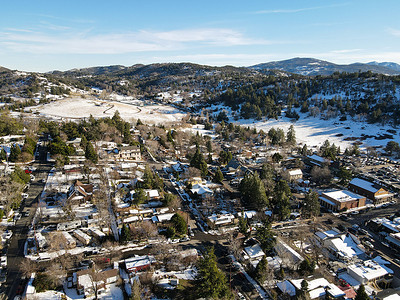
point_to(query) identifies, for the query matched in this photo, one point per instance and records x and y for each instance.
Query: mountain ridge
(312, 67)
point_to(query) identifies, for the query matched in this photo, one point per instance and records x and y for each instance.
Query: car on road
(356, 212)
(24, 195)
(397, 261)
(369, 244)
(363, 231)
(184, 239)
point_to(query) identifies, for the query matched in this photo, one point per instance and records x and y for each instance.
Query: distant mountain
(390, 65)
(2, 69)
(312, 66)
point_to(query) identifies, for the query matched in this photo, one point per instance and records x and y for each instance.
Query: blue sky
(61, 35)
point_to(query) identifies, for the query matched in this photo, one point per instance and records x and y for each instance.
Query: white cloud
(297, 10)
(118, 43)
(394, 32)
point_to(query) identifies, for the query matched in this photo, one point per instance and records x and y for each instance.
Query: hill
(312, 66)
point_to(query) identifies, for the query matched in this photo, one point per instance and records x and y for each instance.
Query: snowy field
(77, 108)
(313, 131)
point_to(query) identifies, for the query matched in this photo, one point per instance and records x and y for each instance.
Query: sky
(51, 35)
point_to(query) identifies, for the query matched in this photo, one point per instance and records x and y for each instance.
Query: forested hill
(311, 66)
(370, 97)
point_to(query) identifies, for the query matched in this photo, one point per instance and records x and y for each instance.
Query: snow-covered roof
(346, 246)
(392, 297)
(248, 214)
(318, 158)
(254, 251)
(327, 234)
(343, 195)
(164, 217)
(138, 261)
(295, 172)
(287, 288)
(201, 189)
(366, 185)
(316, 287)
(152, 193)
(221, 218)
(369, 270)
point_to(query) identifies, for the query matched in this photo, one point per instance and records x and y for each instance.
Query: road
(15, 252)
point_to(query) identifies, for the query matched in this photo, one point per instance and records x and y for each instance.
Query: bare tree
(27, 267)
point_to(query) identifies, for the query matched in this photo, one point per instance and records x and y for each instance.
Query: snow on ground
(314, 131)
(76, 108)
(200, 129)
(49, 295)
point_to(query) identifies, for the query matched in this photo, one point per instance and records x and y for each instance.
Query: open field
(78, 108)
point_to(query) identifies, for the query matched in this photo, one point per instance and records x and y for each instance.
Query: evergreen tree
(253, 191)
(15, 152)
(311, 206)
(199, 162)
(218, 176)
(212, 282)
(139, 197)
(91, 154)
(243, 225)
(125, 234)
(361, 293)
(266, 237)
(3, 155)
(291, 136)
(179, 224)
(261, 269)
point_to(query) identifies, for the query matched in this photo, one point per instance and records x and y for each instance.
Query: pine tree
(179, 224)
(361, 293)
(15, 152)
(253, 191)
(261, 269)
(291, 136)
(212, 282)
(218, 176)
(311, 207)
(125, 234)
(91, 154)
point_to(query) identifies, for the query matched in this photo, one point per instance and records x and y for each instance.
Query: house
(88, 280)
(318, 288)
(370, 190)
(130, 152)
(370, 272)
(70, 241)
(295, 174)
(253, 252)
(202, 190)
(340, 200)
(345, 247)
(138, 263)
(317, 160)
(161, 218)
(81, 236)
(80, 190)
(152, 194)
(224, 218)
(69, 225)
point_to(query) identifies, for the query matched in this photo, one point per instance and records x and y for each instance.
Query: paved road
(15, 252)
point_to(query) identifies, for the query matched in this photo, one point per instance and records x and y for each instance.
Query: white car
(24, 195)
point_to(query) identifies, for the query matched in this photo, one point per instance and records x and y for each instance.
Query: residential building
(294, 174)
(370, 272)
(130, 152)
